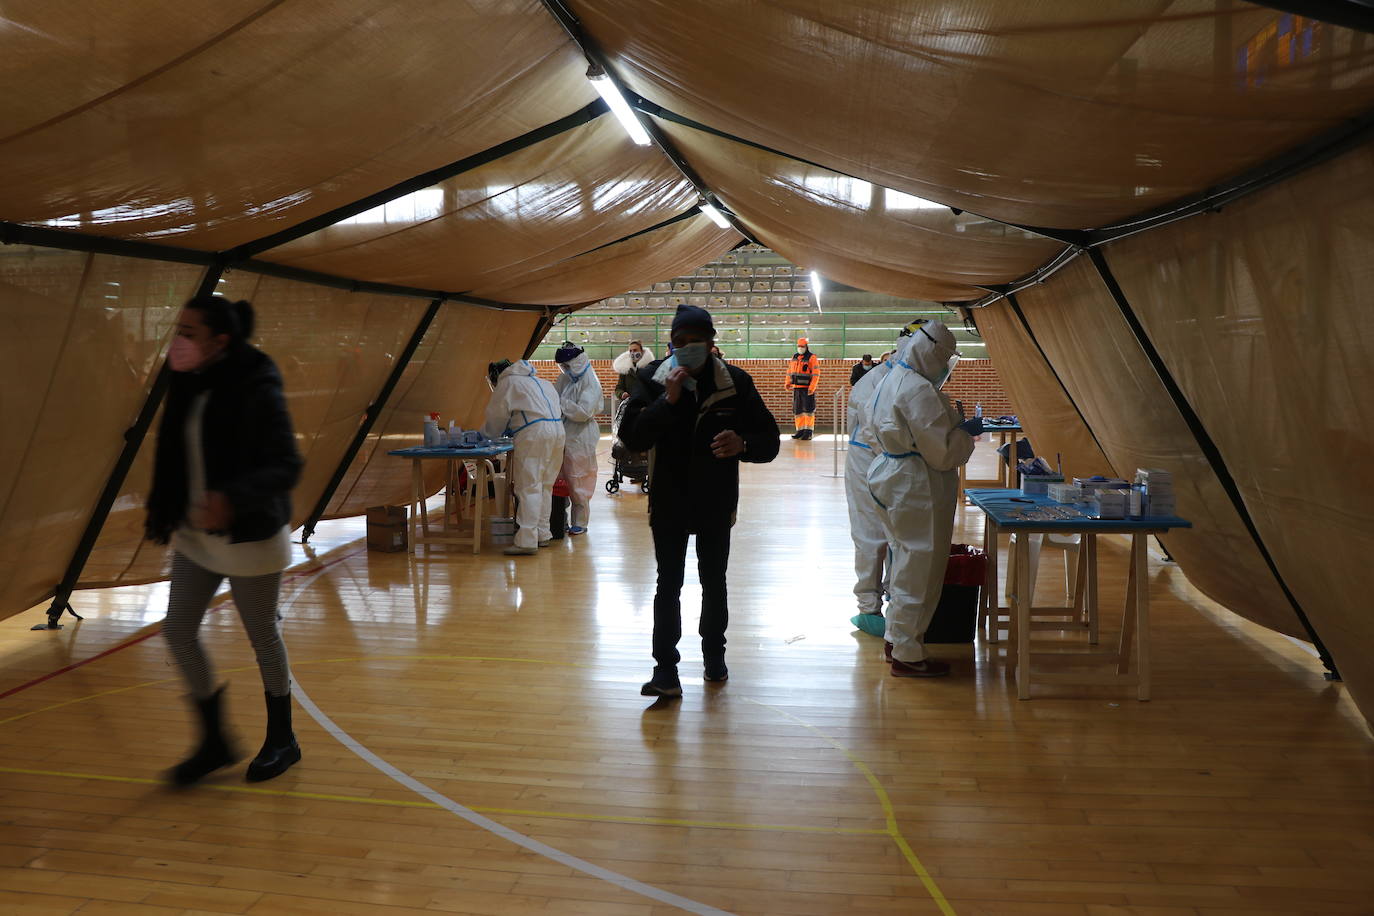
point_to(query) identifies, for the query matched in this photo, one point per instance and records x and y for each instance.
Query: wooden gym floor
(475, 742)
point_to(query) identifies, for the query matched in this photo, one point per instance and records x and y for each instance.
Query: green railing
(749, 334)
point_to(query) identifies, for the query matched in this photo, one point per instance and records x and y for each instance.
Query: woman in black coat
(225, 465)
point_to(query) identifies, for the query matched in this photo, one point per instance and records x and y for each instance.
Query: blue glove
(973, 426)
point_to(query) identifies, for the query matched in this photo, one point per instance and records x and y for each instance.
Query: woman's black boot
(214, 752)
(280, 750)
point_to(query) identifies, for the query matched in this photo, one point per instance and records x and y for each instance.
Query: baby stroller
(625, 464)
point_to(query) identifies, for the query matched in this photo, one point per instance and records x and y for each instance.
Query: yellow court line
(93, 696)
(515, 812)
(892, 829)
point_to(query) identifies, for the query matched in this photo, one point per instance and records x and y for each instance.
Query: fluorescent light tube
(816, 288)
(716, 216)
(619, 107)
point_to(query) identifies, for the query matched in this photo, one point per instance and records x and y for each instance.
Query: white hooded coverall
(865, 519)
(526, 407)
(579, 392)
(913, 479)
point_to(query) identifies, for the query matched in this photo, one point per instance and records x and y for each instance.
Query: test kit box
(387, 528)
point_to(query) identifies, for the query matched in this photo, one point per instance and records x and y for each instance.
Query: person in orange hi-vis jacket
(803, 377)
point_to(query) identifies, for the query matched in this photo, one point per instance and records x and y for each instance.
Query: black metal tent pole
(19, 234)
(370, 417)
(541, 329)
(587, 113)
(38, 237)
(592, 51)
(133, 440)
(663, 224)
(1067, 236)
(1208, 447)
(241, 257)
(1322, 148)
(1350, 14)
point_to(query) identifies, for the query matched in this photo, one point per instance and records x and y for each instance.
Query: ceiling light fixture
(816, 288)
(716, 216)
(619, 107)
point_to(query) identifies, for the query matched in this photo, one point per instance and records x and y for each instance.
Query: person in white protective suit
(865, 521)
(579, 393)
(525, 406)
(920, 442)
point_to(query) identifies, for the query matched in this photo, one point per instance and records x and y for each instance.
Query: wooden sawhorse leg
(1135, 625)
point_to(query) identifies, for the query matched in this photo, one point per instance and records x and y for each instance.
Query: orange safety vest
(804, 372)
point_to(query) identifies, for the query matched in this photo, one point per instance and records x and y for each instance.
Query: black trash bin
(956, 616)
(558, 515)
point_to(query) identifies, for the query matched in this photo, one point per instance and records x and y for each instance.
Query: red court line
(157, 628)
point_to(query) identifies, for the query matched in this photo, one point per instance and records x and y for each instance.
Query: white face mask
(184, 356)
(635, 355)
(692, 355)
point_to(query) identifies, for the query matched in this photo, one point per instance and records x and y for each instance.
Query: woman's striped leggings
(256, 599)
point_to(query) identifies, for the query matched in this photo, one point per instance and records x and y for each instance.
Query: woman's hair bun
(224, 317)
(243, 311)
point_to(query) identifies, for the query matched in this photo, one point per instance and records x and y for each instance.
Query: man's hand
(727, 444)
(215, 514)
(676, 379)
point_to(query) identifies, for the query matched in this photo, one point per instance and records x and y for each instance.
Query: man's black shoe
(714, 670)
(664, 683)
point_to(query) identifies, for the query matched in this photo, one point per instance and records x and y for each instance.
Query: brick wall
(974, 382)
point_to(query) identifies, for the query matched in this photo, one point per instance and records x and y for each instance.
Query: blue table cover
(420, 451)
(1001, 427)
(999, 506)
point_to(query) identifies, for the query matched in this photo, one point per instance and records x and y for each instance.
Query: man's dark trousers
(713, 556)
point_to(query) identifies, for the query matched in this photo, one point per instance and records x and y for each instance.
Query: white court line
(625, 882)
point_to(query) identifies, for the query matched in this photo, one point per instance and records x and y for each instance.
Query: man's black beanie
(693, 318)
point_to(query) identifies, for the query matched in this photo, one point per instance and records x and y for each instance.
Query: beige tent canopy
(1159, 212)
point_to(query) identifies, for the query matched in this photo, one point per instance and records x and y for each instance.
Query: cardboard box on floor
(387, 528)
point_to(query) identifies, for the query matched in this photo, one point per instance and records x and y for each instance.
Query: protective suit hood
(929, 358)
(515, 370)
(578, 364)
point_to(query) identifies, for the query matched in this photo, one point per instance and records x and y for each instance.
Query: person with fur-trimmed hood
(626, 365)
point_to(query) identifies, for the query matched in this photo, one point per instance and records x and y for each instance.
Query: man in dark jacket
(698, 418)
(861, 368)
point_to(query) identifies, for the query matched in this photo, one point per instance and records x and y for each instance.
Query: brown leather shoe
(928, 668)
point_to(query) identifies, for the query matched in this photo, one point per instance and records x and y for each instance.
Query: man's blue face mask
(693, 355)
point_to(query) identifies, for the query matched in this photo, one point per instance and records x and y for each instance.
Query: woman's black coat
(248, 444)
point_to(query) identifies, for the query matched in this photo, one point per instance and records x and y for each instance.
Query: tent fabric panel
(259, 115)
(1106, 372)
(1051, 422)
(83, 344)
(528, 210)
(632, 264)
(1069, 114)
(1261, 312)
(446, 375)
(856, 232)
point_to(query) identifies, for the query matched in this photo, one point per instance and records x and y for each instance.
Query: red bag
(561, 488)
(967, 565)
